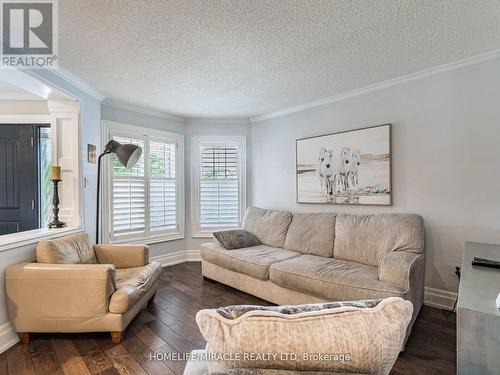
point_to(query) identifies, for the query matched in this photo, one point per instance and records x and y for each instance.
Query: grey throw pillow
(236, 239)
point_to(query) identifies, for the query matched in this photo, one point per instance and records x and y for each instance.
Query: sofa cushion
(236, 238)
(332, 279)
(252, 261)
(370, 334)
(131, 285)
(311, 234)
(66, 250)
(367, 238)
(269, 226)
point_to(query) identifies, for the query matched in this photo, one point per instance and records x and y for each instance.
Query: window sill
(209, 233)
(148, 240)
(202, 235)
(16, 240)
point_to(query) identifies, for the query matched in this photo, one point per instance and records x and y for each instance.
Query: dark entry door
(18, 179)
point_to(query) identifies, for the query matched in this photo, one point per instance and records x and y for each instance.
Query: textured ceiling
(221, 58)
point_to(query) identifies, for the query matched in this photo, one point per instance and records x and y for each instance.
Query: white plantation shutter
(219, 187)
(162, 201)
(128, 193)
(146, 201)
(128, 202)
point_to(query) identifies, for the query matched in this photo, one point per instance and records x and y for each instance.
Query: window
(218, 194)
(45, 185)
(146, 201)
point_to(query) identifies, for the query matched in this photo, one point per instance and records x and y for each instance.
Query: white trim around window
(197, 143)
(147, 234)
(64, 122)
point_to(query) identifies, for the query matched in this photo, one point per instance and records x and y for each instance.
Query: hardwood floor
(168, 326)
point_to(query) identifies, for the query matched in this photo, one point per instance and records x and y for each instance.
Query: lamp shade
(128, 154)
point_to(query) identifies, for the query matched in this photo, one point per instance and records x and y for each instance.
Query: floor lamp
(128, 155)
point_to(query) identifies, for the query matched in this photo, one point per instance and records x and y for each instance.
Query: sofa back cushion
(367, 238)
(269, 226)
(371, 333)
(66, 250)
(311, 234)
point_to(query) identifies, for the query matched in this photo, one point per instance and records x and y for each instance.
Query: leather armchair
(77, 287)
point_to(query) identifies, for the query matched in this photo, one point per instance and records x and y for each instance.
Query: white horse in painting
(354, 168)
(325, 170)
(340, 181)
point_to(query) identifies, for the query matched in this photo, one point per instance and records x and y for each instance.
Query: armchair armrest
(122, 256)
(397, 268)
(42, 290)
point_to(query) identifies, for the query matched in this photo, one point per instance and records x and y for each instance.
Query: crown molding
(142, 110)
(79, 83)
(495, 54)
(172, 117)
(218, 120)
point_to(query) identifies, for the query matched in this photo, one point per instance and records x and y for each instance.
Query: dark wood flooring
(168, 326)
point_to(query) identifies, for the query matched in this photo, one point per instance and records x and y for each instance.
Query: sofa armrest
(122, 256)
(397, 268)
(42, 290)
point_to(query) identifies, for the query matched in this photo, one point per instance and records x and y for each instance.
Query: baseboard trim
(177, 257)
(8, 337)
(193, 256)
(438, 298)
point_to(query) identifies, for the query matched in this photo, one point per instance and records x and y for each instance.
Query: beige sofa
(319, 257)
(78, 287)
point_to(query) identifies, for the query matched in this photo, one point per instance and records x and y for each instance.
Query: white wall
(38, 107)
(446, 156)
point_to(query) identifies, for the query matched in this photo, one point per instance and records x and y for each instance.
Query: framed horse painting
(351, 167)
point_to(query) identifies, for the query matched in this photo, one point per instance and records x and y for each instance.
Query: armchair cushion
(132, 284)
(66, 250)
(370, 333)
(122, 256)
(37, 290)
(395, 268)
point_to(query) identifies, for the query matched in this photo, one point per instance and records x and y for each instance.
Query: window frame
(196, 143)
(147, 236)
(60, 114)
